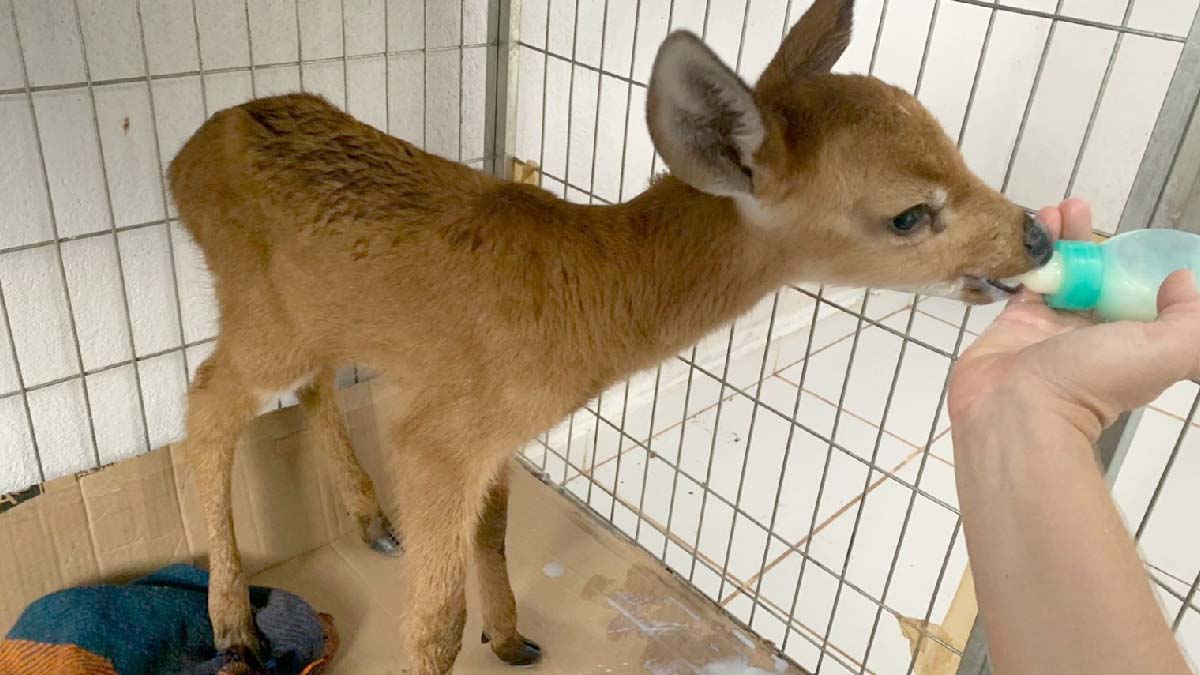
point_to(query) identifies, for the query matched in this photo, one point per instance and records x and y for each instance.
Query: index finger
(1076, 220)
(1070, 220)
(1051, 217)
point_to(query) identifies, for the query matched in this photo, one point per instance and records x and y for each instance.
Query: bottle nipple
(1045, 280)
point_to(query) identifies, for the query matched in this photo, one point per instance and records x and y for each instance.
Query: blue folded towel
(159, 624)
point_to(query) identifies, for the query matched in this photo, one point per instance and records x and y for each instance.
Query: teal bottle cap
(1083, 276)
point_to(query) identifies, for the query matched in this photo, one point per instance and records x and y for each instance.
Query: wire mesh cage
(797, 466)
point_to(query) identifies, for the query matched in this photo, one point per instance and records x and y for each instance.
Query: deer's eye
(912, 220)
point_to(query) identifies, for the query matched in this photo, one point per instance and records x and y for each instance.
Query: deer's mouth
(1004, 286)
(985, 291)
(970, 289)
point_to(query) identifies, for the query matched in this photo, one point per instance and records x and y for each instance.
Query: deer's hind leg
(358, 492)
(219, 409)
(496, 594)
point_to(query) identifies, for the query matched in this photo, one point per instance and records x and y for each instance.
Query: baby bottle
(1118, 279)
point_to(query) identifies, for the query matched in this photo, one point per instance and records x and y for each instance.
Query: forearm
(1070, 595)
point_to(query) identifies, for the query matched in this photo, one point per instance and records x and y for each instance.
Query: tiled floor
(792, 526)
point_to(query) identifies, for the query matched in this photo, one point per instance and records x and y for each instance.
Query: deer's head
(851, 180)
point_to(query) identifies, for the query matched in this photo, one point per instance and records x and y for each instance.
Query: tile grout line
(694, 415)
(649, 442)
(712, 565)
(943, 460)
(1173, 416)
(827, 522)
(661, 528)
(687, 546)
(738, 583)
(1164, 572)
(796, 624)
(939, 437)
(588, 473)
(854, 415)
(947, 322)
(836, 342)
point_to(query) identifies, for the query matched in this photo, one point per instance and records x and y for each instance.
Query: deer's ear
(703, 118)
(813, 45)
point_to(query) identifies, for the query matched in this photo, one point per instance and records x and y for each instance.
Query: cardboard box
(595, 603)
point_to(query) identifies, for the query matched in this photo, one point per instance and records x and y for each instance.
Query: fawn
(498, 308)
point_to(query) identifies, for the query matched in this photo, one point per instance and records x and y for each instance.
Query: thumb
(1179, 289)
(1119, 366)
(1177, 330)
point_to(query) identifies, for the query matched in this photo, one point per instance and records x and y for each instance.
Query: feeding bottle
(1118, 279)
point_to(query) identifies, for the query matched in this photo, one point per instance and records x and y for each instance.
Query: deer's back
(363, 243)
(292, 170)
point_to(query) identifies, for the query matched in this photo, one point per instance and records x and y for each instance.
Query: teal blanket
(159, 624)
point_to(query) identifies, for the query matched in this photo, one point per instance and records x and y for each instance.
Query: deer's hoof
(236, 639)
(380, 536)
(518, 651)
(240, 659)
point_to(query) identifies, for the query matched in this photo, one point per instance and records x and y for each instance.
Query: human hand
(1066, 366)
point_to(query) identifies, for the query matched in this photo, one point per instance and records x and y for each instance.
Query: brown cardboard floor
(594, 603)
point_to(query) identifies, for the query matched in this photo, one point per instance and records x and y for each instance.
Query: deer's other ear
(703, 118)
(813, 45)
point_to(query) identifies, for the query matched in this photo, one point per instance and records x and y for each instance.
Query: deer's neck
(680, 265)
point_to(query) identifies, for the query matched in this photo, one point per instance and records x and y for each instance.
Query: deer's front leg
(358, 492)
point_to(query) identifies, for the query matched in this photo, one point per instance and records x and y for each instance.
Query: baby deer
(498, 308)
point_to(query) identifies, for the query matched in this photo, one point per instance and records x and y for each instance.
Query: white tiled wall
(112, 179)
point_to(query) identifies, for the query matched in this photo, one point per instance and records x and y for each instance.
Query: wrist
(1025, 411)
(1007, 456)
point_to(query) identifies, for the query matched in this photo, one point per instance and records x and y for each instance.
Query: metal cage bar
(1167, 144)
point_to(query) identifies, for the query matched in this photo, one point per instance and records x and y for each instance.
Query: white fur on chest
(265, 395)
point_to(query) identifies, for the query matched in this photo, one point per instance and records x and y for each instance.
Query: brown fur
(499, 308)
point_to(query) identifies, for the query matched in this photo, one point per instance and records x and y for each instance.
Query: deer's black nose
(1038, 242)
